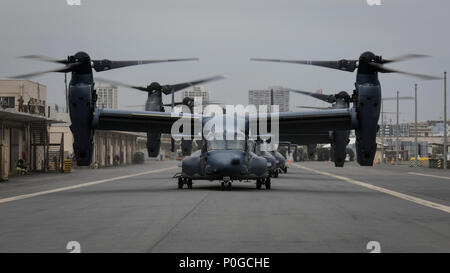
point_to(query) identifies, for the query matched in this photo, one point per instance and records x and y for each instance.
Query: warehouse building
(110, 147)
(24, 124)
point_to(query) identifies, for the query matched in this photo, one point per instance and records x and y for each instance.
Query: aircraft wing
(309, 126)
(308, 138)
(306, 126)
(136, 121)
(314, 122)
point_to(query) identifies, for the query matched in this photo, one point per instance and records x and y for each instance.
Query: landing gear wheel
(285, 170)
(226, 186)
(189, 183)
(275, 174)
(267, 183)
(180, 182)
(258, 184)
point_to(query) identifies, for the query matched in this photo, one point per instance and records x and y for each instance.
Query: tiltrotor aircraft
(226, 161)
(338, 139)
(367, 95)
(155, 103)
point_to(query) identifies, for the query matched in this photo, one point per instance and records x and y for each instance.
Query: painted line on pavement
(403, 196)
(25, 196)
(430, 175)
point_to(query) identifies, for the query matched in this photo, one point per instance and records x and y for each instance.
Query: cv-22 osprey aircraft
(366, 86)
(275, 157)
(228, 161)
(338, 139)
(273, 163)
(155, 103)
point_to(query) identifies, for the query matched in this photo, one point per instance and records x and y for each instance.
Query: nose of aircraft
(225, 162)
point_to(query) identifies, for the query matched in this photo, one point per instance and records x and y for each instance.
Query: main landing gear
(184, 181)
(226, 184)
(263, 181)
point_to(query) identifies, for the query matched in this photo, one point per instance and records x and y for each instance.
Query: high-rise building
(107, 96)
(197, 91)
(264, 96)
(423, 129)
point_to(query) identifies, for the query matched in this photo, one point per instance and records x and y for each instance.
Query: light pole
(415, 125)
(445, 120)
(397, 98)
(397, 133)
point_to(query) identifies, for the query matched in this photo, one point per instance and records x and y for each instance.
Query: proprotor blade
(344, 65)
(404, 58)
(168, 89)
(104, 65)
(383, 69)
(180, 103)
(175, 103)
(141, 88)
(322, 97)
(45, 58)
(312, 107)
(65, 69)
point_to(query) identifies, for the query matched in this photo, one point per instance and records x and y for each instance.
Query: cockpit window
(215, 145)
(235, 144)
(225, 145)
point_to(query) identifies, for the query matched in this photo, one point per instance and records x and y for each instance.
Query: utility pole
(397, 133)
(445, 120)
(415, 126)
(67, 93)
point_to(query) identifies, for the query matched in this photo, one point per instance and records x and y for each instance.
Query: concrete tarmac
(313, 208)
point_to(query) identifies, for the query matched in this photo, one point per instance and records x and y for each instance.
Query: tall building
(423, 130)
(107, 96)
(197, 91)
(391, 129)
(263, 97)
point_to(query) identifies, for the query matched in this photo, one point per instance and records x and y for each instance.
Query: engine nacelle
(186, 147)
(312, 151)
(81, 106)
(368, 113)
(153, 144)
(339, 146)
(191, 165)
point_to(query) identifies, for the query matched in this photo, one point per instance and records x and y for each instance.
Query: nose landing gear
(263, 181)
(184, 181)
(226, 184)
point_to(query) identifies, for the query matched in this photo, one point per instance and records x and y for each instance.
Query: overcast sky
(225, 34)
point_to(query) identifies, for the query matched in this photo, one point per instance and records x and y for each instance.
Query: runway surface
(313, 208)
